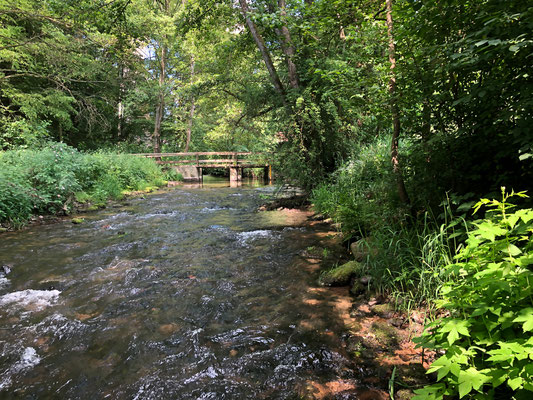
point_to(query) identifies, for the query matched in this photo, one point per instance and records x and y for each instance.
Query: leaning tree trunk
(120, 105)
(402, 192)
(264, 51)
(288, 47)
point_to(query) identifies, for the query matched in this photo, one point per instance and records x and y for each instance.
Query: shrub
(50, 172)
(363, 196)
(50, 179)
(16, 197)
(172, 175)
(486, 342)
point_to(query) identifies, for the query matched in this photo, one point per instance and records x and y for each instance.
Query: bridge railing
(213, 159)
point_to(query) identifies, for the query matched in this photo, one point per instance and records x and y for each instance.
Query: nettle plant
(486, 341)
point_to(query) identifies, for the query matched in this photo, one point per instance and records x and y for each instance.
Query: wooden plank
(225, 165)
(204, 153)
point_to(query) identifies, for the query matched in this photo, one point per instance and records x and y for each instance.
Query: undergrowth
(408, 254)
(486, 339)
(52, 179)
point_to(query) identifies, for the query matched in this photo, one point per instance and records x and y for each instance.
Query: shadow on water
(187, 294)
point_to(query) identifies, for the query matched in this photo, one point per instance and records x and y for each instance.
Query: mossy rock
(358, 288)
(78, 220)
(385, 310)
(341, 275)
(385, 334)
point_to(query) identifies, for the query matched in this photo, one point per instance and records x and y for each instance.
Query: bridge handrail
(200, 153)
(234, 159)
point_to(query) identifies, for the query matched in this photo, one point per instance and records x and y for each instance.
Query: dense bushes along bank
(470, 261)
(52, 179)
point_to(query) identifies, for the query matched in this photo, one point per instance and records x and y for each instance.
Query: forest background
(394, 117)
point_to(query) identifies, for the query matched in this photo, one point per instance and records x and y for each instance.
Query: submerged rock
(341, 275)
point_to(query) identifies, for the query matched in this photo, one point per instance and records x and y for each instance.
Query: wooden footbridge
(191, 165)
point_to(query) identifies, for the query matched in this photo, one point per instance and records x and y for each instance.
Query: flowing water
(186, 294)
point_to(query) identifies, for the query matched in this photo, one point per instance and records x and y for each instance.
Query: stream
(184, 294)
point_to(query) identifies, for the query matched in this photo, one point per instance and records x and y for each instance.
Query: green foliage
(16, 197)
(20, 133)
(487, 341)
(172, 175)
(406, 255)
(51, 179)
(362, 196)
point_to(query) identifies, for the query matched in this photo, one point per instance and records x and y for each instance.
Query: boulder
(341, 275)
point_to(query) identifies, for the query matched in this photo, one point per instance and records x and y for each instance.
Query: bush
(51, 179)
(16, 197)
(172, 175)
(363, 194)
(487, 340)
(50, 173)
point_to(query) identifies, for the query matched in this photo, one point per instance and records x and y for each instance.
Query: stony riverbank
(378, 336)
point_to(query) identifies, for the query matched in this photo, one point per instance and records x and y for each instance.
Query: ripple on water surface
(189, 294)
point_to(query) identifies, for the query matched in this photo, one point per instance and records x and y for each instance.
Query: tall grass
(407, 254)
(50, 180)
(408, 260)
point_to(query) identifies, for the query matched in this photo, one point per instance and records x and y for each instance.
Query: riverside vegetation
(395, 118)
(55, 178)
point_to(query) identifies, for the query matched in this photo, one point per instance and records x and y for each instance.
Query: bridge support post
(235, 174)
(268, 174)
(200, 174)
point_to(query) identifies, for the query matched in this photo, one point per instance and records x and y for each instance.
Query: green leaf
(526, 316)
(515, 383)
(471, 379)
(455, 328)
(432, 392)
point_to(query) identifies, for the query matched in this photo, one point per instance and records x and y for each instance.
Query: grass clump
(50, 180)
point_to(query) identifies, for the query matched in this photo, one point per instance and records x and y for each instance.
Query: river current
(185, 294)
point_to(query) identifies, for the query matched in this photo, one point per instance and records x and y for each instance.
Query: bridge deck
(232, 159)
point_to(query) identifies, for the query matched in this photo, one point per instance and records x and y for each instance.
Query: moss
(341, 275)
(78, 220)
(385, 310)
(385, 334)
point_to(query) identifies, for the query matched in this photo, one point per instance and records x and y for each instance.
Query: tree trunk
(160, 108)
(120, 106)
(402, 192)
(288, 48)
(264, 51)
(191, 114)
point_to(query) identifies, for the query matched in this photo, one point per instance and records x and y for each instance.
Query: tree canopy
(310, 80)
